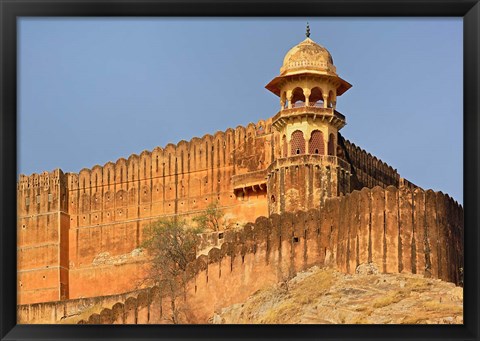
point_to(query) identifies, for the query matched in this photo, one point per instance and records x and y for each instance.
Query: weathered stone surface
(364, 227)
(431, 234)
(106, 316)
(118, 313)
(419, 223)
(253, 269)
(367, 269)
(81, 234)
(321, 296)
(407, 254)
(378, 228)
(391, 230)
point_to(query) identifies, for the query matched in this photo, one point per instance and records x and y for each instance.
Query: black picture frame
(10, 10)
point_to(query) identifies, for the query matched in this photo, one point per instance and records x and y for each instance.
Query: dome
(308, 56)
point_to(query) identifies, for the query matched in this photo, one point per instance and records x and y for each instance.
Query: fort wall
(398, 230)
(66, 221)
(367, 170)
(42, 237)
(72, 218)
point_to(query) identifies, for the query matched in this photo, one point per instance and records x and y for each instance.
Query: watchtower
(308, 123)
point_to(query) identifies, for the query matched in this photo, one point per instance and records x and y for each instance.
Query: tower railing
(308, 110)
(310, 104)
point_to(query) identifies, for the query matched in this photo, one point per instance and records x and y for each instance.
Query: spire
(308, 31)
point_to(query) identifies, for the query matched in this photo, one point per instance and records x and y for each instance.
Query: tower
(307, 169)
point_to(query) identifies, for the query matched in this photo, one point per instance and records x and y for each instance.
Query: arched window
(284, 146)
(316, 145)
(298, 96)
(297, 143)
(331, 145)
(316, 98)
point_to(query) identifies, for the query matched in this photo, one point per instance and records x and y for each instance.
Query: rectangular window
(27, 201)
(38, 199)
(50, 197)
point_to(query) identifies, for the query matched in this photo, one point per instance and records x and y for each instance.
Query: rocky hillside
(324, 296)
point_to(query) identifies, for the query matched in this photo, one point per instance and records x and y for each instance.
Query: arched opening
(331, 144)
(316, 98)
(297, 143)
(298, 96)
(284, 146)
(316, 145)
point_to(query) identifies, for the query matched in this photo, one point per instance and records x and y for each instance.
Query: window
(298, 142)
(316, 146)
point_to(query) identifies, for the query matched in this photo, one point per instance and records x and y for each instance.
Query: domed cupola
(308, 55)
(308, 59)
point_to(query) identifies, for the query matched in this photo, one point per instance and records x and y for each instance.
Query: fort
(299, 192)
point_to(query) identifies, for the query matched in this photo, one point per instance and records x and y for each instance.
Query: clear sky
(94, 90)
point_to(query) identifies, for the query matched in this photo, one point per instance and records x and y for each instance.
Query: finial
(308, 31)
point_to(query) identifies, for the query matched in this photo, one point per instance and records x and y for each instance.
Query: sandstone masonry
(78, 232)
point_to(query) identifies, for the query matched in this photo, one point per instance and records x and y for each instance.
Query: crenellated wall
(398, 230)
(367, 170)
(105, 209)
(67, 222)
(42, 237)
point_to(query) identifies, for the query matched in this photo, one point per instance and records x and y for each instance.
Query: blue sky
(94, 90)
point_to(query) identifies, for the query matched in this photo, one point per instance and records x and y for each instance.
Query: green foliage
(212, 219)
(171, 244)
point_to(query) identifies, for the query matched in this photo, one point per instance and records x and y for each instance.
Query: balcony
(314, 111)
(252, 180)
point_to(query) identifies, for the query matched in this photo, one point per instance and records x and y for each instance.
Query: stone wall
(49, 312)
(398, 230)
(367, 170)
(105, 209)
(42, 237)
(65, 221)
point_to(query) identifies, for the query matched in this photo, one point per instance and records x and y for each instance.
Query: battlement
(42, 180)
(367, 169)
(183, 157)
(105, 209)
(394, 230)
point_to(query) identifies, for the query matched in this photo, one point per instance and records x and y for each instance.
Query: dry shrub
(390, 298)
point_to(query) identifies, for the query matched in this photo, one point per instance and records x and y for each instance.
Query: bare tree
(171, 244)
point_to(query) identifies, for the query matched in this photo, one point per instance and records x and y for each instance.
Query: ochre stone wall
(42, 237)
(367, 170)
(105, 209)
(66, 221)
(398, 230)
